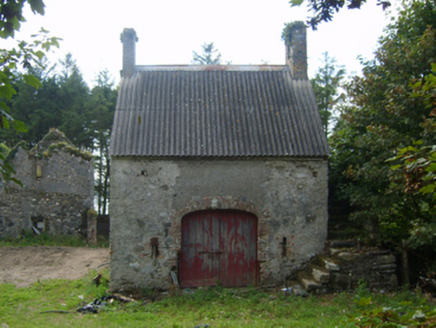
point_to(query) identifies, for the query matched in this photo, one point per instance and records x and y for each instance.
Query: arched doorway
(218, 247)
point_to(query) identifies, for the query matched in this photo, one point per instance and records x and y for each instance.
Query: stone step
(342, 268)
(342, 243)
(334, 251)
(310, 285)
(307, 281)
(297, 289)
(318, 273)
(329, 264)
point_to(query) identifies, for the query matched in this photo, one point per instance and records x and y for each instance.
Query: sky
(244, 32)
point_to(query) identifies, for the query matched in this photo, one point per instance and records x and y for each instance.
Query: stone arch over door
(219, 247)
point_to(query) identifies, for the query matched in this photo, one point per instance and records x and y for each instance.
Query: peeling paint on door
(219, 247)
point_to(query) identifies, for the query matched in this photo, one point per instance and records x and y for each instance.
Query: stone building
(57, 189)
(219, 173)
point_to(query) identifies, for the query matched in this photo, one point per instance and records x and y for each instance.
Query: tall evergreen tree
(74, 95)
(37, 108)
(326, 86)
(102, 108)
(208, 56)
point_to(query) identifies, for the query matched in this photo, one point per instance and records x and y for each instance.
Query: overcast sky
(244, 31)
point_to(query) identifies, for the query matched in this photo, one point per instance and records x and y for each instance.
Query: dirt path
(23, 266)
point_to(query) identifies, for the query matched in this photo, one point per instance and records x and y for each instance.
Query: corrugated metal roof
(216, 111)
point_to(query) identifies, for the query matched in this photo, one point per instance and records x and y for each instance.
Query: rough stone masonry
(150, 198)
(57, 189)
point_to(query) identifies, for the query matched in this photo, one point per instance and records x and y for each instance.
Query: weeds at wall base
(29, 238)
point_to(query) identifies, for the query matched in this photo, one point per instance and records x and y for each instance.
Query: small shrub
(404, 309)
(362, 289)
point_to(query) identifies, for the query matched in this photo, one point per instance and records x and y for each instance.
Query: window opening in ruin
(38, 172)
(154, 243)
(284, 248)
(39, 224)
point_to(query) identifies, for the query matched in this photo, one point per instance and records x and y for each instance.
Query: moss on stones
(14, 150)
(54, 141)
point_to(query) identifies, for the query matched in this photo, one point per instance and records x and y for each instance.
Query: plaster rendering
(150, 197)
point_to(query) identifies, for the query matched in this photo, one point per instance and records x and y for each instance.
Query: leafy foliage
(405, 314)
(209, 55)
(24, 56)
(288, 30)
(11, 15)
(323, 10)
(417, 163)
(408, 310)
(386, 114)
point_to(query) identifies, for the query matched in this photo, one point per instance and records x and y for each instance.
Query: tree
(102, 110)
(25, 55)
(209, 55)
(326, 86)
(74, 96)
(386, 114)
(417, 164)
(323, 10)
(37, 108)
(11, 15)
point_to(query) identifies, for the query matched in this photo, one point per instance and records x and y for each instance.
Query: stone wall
(377, 268)
(150, 197)
(56, 194)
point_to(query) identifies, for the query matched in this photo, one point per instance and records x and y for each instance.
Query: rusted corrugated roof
(216, 111)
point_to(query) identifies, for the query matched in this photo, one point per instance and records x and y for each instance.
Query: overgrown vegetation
(48, 239)
(23, 57)
(217, 307)
(37, 98)
(389, 114)
(68, 149)
(408, 310)
(324, 10)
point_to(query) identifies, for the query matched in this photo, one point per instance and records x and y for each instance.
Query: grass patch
(47, 239)
(217, 307)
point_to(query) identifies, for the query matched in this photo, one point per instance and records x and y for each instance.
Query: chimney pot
(296, 50)
(129, 39)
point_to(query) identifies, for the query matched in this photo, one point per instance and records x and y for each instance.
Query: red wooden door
(219, 246)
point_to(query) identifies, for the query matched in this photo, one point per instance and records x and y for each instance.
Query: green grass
(47, 239)
(217, 307)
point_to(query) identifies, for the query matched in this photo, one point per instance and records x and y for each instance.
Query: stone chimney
(129, 39)
(296, 50)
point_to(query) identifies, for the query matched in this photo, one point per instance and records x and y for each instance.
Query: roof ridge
(211, 68)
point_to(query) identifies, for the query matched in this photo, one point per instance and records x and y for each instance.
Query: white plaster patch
(134, 265)
(169, 175)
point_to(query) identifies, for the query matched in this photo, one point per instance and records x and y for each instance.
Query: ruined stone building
(57, 189)
(219, 173)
